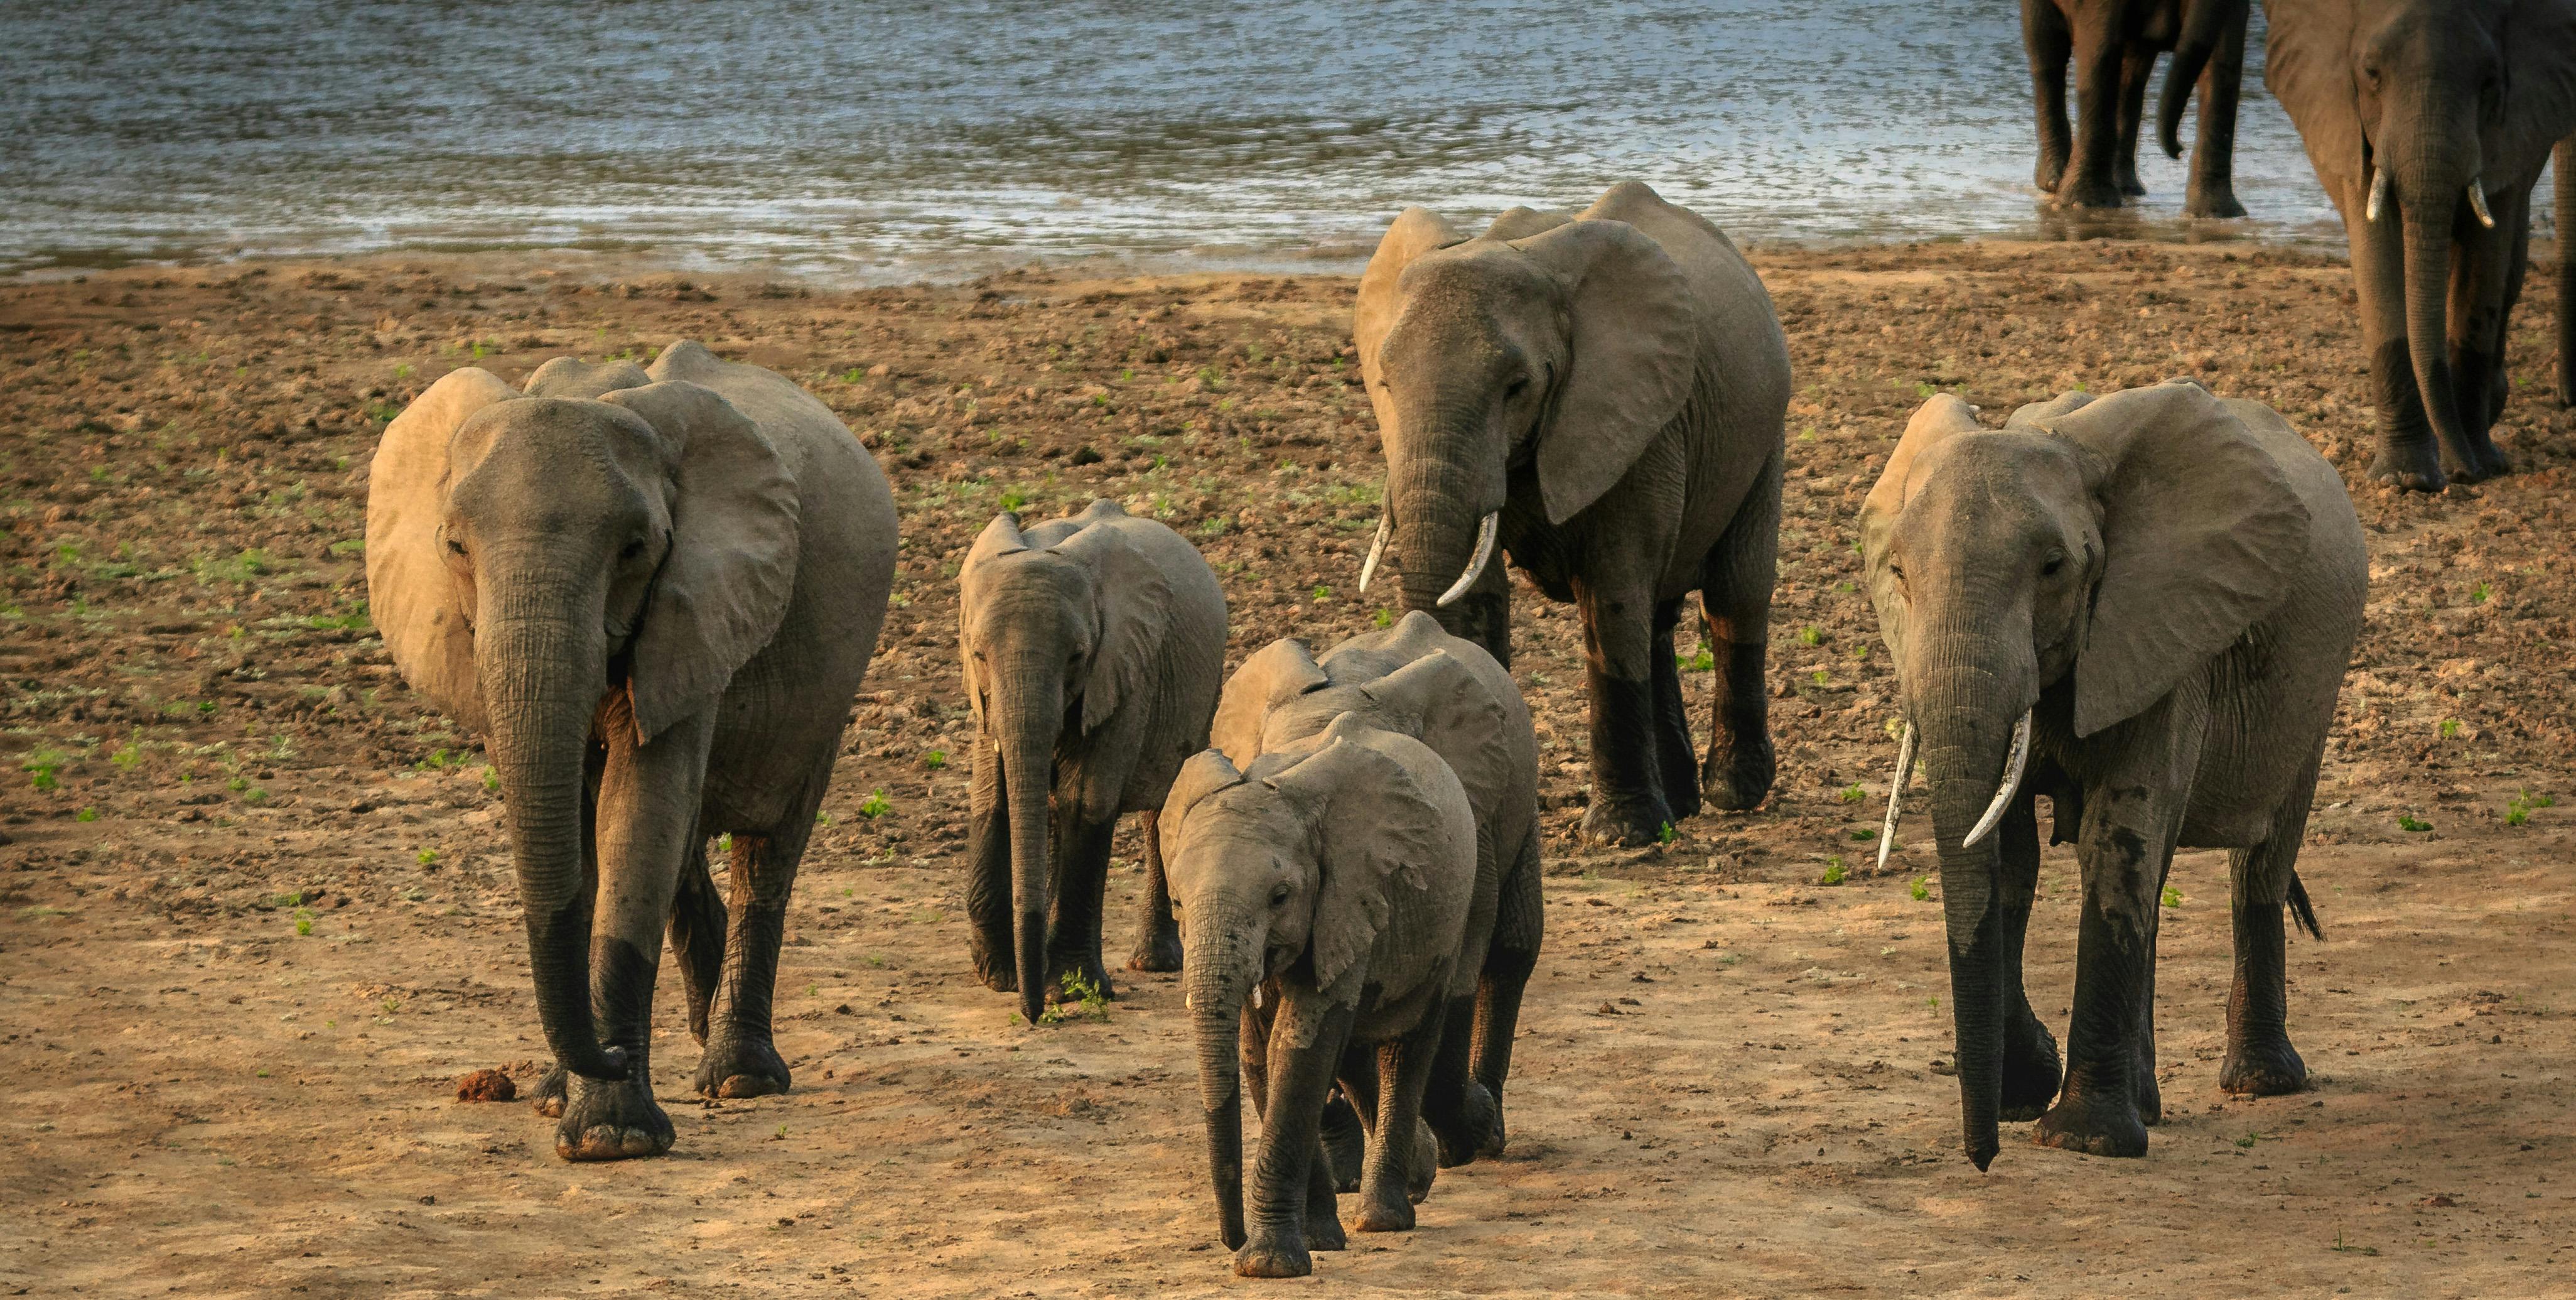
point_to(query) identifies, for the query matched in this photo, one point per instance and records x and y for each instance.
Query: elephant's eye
(1278, 895)
(2056, 560)
(455, 547)
(631, 549)
(1516, 388)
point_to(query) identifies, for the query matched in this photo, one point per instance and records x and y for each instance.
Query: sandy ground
(258, 918)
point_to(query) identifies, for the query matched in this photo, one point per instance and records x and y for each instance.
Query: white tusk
(2478, 202)
(1368, 567)
(1256, 997)
(1189, 1002)
(2378, 194)
(1476, 567)
(1896, 792)
(2012, 782)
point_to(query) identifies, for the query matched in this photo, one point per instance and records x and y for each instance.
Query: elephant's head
(2119, 543)
(1558, 347)
(1056, 639)
(543, 567)
(1412, 679)
(1303, 868)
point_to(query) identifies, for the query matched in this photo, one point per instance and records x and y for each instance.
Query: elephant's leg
(2144, 1092)
(2045, 37)
(1158, 936)
(2089, 181)
(1519, 924)
(1736, 582)
(1282, 1179)
(1458, 1109)
(2260, 1060)
(741, 1060)
(1676, 768)
(2212, 191)
(2562, 180)
(548, 1098)
(698, 936)
(2137, 67)
(1628, 807)
(2030, 1053)
(1404, 1070)
(646, 819)
(2408, 457)
(2125, 846)
(2483, 286)
(1081, 895)
(1345, 1138)
(988, 874)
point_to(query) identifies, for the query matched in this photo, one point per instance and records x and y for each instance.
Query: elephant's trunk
(1439, 515)
(1032, 712)
(2432, 174)
(1218, 979)
(2202, 23)
(542, 674)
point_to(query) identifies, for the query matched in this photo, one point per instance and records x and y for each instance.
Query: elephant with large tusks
(2429, 122)
(1599, 398)
(2139, 605)
(653, 594)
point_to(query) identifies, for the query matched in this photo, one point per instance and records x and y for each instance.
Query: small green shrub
(1853, 794)
(876, 805)
(1833, 871)
(1922, 890)
(2409, 822)
(934, 759)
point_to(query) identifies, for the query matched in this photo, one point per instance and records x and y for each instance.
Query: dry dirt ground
(258, 917)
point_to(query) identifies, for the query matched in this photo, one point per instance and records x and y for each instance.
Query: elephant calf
(653, 595)
(2140, 606)
(1092, 650)
(1325, 897)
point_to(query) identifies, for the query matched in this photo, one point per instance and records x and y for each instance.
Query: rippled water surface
(904, 139)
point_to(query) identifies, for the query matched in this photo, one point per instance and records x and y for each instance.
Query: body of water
(903, 139)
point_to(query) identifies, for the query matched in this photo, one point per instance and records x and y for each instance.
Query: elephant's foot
(2265, 1068)
(2216, 201)
(2098, 1124)
(2492, 462)
(1381, 1211)
(2031, 1073)
(1737, 774)
(1158, 948)
(2078, 192)
(2126, 177)
(1460, 1138)
(2409, 466)
(1423, 1167)
(2051, 170)
(549, 1096)
(1273, 1255)
(741, 1064)
(994, 967)
(612, 1120)
(1324, 1232)
(1345, 1143)
(1072, 981)
(1628, 822)
(1497, 1135)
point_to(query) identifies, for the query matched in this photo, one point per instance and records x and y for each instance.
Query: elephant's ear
(1521, 223)
(410, 595)
(1634, 354)
(2308, 66)
(1937, 420)
(1206, 772)
(1277, 672)
(1450, 710)
(2039, 414)
(1416, 231)
(1000, 537)
(1386, 826)
(572, 377)
(723, 587)
(2540, 75)
(1135, 614)
(2202, 531)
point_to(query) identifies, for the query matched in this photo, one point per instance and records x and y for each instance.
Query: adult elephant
(2140, 606)
(2428, 122)
(1600, 396)
(2114, 44)
(653, 595)
(1092, 649)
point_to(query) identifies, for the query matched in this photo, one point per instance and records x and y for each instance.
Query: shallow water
(904, 139)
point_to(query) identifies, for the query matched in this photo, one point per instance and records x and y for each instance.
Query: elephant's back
(2338, 555)
(1742, 327)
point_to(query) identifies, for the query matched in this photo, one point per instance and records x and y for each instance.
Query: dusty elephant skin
(1092, 649)
(2114, 44)
(1417, 680)
(653, 594)
(1326, 896)
(1602, 396)
(2428, 122)
(2140, 606)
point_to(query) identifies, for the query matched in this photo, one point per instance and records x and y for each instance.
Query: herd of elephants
(653, 593)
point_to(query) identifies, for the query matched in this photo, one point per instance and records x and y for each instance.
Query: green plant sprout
(934, 759)
(2409, 822)
(2172, 897)
(876, 805)
(1922, 888)
(1833, 871)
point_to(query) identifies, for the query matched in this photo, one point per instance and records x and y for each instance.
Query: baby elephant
(1092, 647)
(1324, 898)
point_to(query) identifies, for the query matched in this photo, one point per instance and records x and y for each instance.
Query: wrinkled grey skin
(1092, 648)
(1417, 680)
(2114, 44)
(1612, 387)
(1334, 883)
(653, 595)
(2440, 95)
(2171, 586)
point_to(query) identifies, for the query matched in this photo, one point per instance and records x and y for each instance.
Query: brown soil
(259, 917)
(487, 1085)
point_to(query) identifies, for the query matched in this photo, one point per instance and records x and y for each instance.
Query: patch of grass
(2450, 728)
(1014, 499)
(1384, 619)
(426, 856)
(2172, 897)
(1922, 890)
(86, 815)
(934, 759)
(2348, 1248)
(1865, 834)
(1853, 794)
(1323, 592)
(42, 767)
(304, 920)
(254, 795)
(2251, 1137)
(1834, 872)
(877, 805)
(2517, 810)
(1667, 835)
(491, 780)
(2479, 593)
(1701, 662)
(2411, 823)
(1810, 636)
(1087, 1004)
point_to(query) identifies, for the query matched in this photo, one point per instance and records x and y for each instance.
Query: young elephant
(653, 594)
(1325, 897)
(1445, 691)
(2140, 606)
(1092, 648)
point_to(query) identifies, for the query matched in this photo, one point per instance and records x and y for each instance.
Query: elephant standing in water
(2140, 606)
(653, 595)
(2114, 44)
(1602, 397)
(1092, 647)
(2428, 122)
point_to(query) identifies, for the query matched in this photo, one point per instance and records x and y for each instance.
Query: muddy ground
(258, 917)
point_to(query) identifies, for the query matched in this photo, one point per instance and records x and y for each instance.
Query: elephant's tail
(2303, 911)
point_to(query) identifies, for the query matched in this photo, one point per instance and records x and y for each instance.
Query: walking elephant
(1092, 647)
(2140, 606)
(1326, 896)
(1602, 397)
(1417, 680)
(2428, 122)
(2114, 44)
(653, 594)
